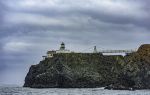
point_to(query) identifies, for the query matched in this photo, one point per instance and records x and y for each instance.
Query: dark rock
(74, 70)
(84, 70)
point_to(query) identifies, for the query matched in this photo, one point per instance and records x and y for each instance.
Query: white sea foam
(71, 91)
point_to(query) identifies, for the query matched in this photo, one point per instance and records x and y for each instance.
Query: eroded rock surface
(78, 70)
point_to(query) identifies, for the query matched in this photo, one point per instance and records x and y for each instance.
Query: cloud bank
(31, 27)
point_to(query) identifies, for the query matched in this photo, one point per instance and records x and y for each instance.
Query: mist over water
(71, 91)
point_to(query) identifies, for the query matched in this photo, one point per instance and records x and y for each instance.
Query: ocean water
(56, 91)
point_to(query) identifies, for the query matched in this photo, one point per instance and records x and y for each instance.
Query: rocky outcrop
(78, 70)
(136, 70)
(74, 70)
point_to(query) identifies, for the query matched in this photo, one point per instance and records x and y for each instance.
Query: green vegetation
(82, 70)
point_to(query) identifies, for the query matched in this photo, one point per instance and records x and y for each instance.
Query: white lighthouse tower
(62, 49)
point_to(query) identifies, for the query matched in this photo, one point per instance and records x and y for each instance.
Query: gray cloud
(31, 27)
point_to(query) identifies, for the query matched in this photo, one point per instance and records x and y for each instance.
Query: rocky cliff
(80, 70)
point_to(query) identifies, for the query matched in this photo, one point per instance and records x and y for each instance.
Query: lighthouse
(62, 47)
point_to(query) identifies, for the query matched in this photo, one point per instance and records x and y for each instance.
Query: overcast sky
(28, 28)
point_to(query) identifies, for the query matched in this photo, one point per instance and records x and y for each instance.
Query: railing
(117, 51)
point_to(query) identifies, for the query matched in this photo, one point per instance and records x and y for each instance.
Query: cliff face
(74, 70)
(92, 70)
(137, 69)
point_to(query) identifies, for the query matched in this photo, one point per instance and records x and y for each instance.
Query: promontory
(65, 69)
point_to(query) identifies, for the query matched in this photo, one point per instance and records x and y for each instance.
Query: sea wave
(69, 91)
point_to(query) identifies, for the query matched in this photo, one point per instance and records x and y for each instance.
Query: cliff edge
(85, 70)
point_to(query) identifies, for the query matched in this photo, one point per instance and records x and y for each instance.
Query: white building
(62, 49)
(50, 53)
